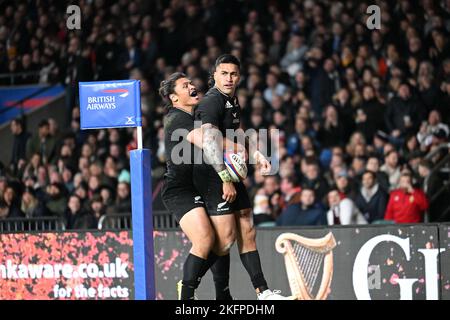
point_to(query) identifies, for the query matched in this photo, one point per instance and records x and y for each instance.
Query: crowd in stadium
(358, 110)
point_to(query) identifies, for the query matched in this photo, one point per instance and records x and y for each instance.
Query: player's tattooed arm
(195, 136)
(211, 146)
(212, 143)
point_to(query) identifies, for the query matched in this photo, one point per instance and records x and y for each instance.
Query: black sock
(221, 275)
(192, 269)
(252, 264)
(212, 257)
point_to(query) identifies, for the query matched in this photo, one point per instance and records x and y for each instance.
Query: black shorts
(180, 199)
(209, 185)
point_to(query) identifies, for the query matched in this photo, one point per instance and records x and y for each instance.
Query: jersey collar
(182, 110)
(224, 94)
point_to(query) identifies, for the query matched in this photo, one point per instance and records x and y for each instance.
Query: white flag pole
(139, 137)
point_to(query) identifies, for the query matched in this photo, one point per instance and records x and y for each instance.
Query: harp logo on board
(309, 264)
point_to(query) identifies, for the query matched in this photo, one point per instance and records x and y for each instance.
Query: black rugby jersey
(173, 120)
(220, 110)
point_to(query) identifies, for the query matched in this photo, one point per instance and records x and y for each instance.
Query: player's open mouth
(193, 93)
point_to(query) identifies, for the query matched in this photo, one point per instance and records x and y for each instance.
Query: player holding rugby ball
(227, 203)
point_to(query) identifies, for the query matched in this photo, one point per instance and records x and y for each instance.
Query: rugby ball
(235, 165)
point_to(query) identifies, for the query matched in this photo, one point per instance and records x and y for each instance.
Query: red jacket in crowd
(406, 207)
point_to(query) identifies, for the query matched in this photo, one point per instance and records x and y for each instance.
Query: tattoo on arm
(212, 148)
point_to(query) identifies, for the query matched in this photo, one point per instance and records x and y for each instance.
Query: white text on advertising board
(360, 269)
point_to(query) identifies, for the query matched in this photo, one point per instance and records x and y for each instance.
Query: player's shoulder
(177, 118)
(213, 96)
(213, 92)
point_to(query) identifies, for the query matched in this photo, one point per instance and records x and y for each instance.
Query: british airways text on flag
(110, 104)
(106, 102)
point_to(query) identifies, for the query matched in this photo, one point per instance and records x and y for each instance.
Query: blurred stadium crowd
(358, 110)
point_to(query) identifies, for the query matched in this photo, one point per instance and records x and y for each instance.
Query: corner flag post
(117, 104)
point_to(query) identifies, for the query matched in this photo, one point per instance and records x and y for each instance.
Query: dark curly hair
(167, 87)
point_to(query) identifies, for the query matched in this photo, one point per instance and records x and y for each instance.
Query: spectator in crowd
(107, 195)
(294, 140)
(4, 210)
(67, 179)
(94, 185)
(371, 199)
(55, 131)
(296, 50)
(270, 185)
(82, 192)
(149, 49)
(96, 211)
(380, 139)
(31, 206)
(433, 185)
(406, 204)
(403, 113)
(373, 165)
(305, 213)
(134, 59)
(18, 154)
(342, 211)
(42, 143)
(313, 180)
(427, 129)
(392, 168)
(55, 199)
(323, 78)
(336, 164)
(410, 147)
(75, 215)
(111, 58)
(11, 201)
(76, 66)
(123, 199)
(277, 47)
(274, 87)
(261, 209)
(345, 110)
(332, 133)
(369, 117)
(3, 186)
(26, 69)
(290, 190)
(277, 204)
(357, 145)
(345, 184)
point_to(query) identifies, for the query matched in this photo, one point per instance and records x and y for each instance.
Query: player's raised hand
(262, 163)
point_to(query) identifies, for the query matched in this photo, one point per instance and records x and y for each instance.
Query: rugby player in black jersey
(179, 194)
(227, 203)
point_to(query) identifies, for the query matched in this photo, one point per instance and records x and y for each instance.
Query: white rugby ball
(235, 165)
